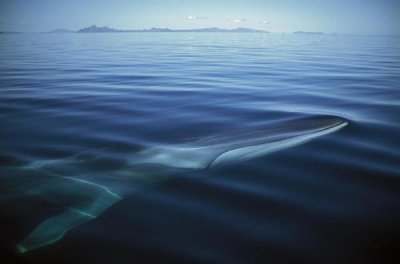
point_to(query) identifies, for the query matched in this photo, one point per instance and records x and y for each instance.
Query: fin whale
(83, 200)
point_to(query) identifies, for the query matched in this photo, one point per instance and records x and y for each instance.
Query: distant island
(105, 29)
(307, 32)
(96, 29)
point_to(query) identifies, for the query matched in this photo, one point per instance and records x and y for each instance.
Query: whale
(81, 197)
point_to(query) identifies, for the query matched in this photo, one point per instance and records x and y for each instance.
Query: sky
(330, 16)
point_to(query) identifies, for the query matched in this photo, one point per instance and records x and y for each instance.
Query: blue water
(333, 200)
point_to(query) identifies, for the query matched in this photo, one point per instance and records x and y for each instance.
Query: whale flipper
(88, 201)
(53, 229)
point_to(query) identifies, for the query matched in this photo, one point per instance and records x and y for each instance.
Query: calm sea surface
(97, 99)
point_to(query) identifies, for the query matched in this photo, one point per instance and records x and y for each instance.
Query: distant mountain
(61, 30)
(95, 29)
(311, 33)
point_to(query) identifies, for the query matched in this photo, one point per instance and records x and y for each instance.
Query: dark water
(107, 96)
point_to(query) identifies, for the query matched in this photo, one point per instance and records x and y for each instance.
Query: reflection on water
(79, 106)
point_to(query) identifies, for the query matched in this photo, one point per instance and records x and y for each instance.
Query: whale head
(242, 144)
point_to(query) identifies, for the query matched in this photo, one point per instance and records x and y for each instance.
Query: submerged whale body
(84, 200)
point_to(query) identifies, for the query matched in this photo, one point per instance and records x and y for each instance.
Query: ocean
(80, 105)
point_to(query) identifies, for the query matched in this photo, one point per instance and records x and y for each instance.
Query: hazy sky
(341, 16)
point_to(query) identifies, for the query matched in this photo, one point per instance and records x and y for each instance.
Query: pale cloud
(266, 21)
(196, 17)
(238, 20)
